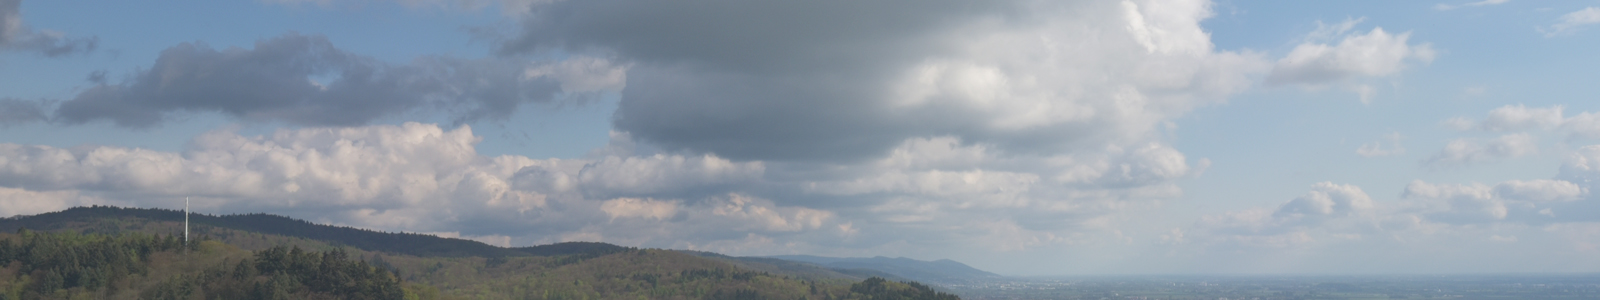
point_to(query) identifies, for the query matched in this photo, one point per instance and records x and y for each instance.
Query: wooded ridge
(105, 252)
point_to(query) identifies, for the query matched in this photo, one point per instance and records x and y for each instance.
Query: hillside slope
(942, 271)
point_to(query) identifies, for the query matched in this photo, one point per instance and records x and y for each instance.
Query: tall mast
(185, 220)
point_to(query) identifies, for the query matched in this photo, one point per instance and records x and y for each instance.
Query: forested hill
(128, 253)
(109, 219)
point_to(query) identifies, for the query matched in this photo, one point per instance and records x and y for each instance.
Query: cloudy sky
(1022, 137)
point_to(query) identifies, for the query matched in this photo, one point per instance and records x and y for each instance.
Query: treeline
(91, 266)
(629, 275)
(877, 288)
(280, 273)
(40, 265)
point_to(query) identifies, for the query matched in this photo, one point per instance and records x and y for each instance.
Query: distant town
(1549, 286)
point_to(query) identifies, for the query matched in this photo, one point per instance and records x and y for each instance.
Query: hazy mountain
(942, 271)
(796, 268)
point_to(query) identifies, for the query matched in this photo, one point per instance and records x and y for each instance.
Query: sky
(1021, 137)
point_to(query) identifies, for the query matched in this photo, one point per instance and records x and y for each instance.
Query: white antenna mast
(185, 220)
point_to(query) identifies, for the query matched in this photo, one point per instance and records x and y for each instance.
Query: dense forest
(73, 266)
(116, 253)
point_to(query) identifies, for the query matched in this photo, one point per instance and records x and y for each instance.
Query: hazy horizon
(1018, 137)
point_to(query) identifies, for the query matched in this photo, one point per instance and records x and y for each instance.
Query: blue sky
(1025, 138)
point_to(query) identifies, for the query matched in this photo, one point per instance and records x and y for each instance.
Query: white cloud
(1585, 125)
(1564, 199)
(1514, 201)
(1457, 123)
(1333, 214)
(661, 173)
(1466, 151)
(1341, 207)
(1573, 21)
(934, 183)
(378, 167)
(1582, 166)
(1377, 148)
(419, 178)
(1540, 190)
(761, 214)
(14, 201)
(497, 240)
(639, 208)
(1456, 203)
(1519, 117)
(1374, 54)
(1427, 218)
(583, 74)
(1142, 165)
(1420, 189)
(1327, 199)
(412, 177)
(1442, 6)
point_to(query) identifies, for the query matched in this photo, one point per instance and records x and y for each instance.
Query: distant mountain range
(941, 272)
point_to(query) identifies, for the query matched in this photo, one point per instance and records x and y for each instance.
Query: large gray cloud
(278, 80)
(849, 80)
(16, 36)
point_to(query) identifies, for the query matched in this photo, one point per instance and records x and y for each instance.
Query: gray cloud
(1584, 125)
(1011, 123)
(18, 112)
(782, 37)
(305, 80)
(849, 80)
(777, 79)
(16, 36)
